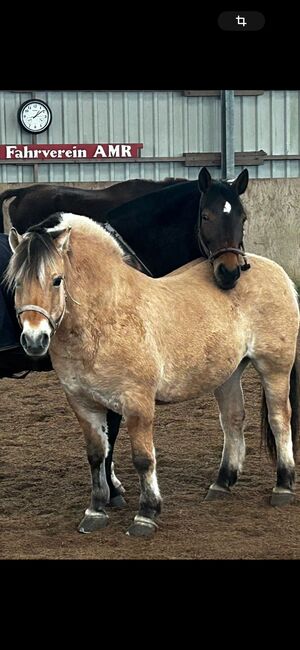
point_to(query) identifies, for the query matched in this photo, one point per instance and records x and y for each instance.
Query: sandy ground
(45, 484)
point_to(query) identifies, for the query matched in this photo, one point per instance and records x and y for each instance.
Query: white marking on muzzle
(33, 331)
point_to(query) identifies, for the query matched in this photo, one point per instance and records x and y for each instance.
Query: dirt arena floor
(45, 484)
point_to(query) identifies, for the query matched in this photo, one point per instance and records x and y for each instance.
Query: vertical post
(34, 141)
(227, 134)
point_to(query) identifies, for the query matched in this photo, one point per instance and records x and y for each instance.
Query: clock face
(34, 115)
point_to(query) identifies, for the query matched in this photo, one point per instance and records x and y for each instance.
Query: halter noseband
(54, 324)
(212, 256)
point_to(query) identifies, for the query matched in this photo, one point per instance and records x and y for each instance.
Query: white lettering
(126, 150)
(27, 153)
(68, 153)
(80, 153)
(53, 153)
(99, 152)
(10, 151)
(114, 150)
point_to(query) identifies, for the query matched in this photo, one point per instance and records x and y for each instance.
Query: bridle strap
(213, 256)
(238, 251)
(54, 324)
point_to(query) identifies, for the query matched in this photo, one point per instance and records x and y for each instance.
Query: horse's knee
(95, 457)
(233, 419)
(143, 463)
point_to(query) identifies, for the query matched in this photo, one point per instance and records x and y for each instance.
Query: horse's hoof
(282, 498)
(92, 522)
(142, 527)
(217, 492)
(118, 502)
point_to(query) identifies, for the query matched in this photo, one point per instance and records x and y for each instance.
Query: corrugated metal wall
(269, 122)
(167, 123)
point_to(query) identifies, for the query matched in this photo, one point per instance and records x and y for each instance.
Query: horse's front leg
(116, 489)
(140, 431)
(93, 421)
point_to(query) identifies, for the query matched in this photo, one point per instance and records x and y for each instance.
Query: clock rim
(34, 101)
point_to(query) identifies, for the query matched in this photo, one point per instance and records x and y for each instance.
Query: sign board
(50, 152)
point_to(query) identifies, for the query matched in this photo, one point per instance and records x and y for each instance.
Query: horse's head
(36, 272)
(221, 225)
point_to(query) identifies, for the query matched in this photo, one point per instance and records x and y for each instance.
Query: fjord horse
(166, 229)
(120, 340)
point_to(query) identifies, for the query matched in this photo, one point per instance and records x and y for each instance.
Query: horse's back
(33, 203)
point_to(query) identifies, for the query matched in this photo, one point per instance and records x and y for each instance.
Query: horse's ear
(241, 182)
(14, 239)
(61, 239)
(204, 179)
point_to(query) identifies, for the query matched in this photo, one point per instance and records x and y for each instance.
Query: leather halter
(54, 324)
(212, 256)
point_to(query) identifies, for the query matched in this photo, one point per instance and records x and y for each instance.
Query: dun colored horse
(166, 230)
(121, 340)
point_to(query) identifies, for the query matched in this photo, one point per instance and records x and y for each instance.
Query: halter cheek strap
(54, 324)
(213, 256)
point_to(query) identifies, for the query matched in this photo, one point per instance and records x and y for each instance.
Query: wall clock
(34, 115)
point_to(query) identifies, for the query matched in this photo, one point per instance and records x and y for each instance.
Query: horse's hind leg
(277, 390)
(94, 425)
(116, 489)
(143, 456)
(232, 414)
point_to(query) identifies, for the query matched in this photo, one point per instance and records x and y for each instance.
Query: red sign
(50, 152)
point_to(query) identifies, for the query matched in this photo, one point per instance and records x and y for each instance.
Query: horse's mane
(37, 248)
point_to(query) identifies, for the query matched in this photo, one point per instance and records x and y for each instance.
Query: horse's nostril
(44, 340)
(227, 274)
(23, 340)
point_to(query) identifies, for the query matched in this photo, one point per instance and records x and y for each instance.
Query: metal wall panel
(166, 122)
(269, 122)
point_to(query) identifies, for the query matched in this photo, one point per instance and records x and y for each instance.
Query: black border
(32, 101)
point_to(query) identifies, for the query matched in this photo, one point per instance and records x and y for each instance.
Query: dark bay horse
(163, 230)
(144, 339)
(34, 203)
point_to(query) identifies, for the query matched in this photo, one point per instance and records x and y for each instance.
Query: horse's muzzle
(36, 346)
(227, 278)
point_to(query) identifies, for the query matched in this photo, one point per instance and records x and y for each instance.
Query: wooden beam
(243, 158)
(209, 159)
(217, 93)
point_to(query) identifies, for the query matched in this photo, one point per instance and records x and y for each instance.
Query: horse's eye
(57, 281)
(205, 217)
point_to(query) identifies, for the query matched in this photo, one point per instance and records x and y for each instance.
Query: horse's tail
(7, 224)
(7, 194)
(266, 431)
(17, 194)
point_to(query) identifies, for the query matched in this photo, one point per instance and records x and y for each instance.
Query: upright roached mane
(129, 340)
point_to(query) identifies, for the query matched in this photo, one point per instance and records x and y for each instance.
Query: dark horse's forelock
(35, 251)
(225, 190)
